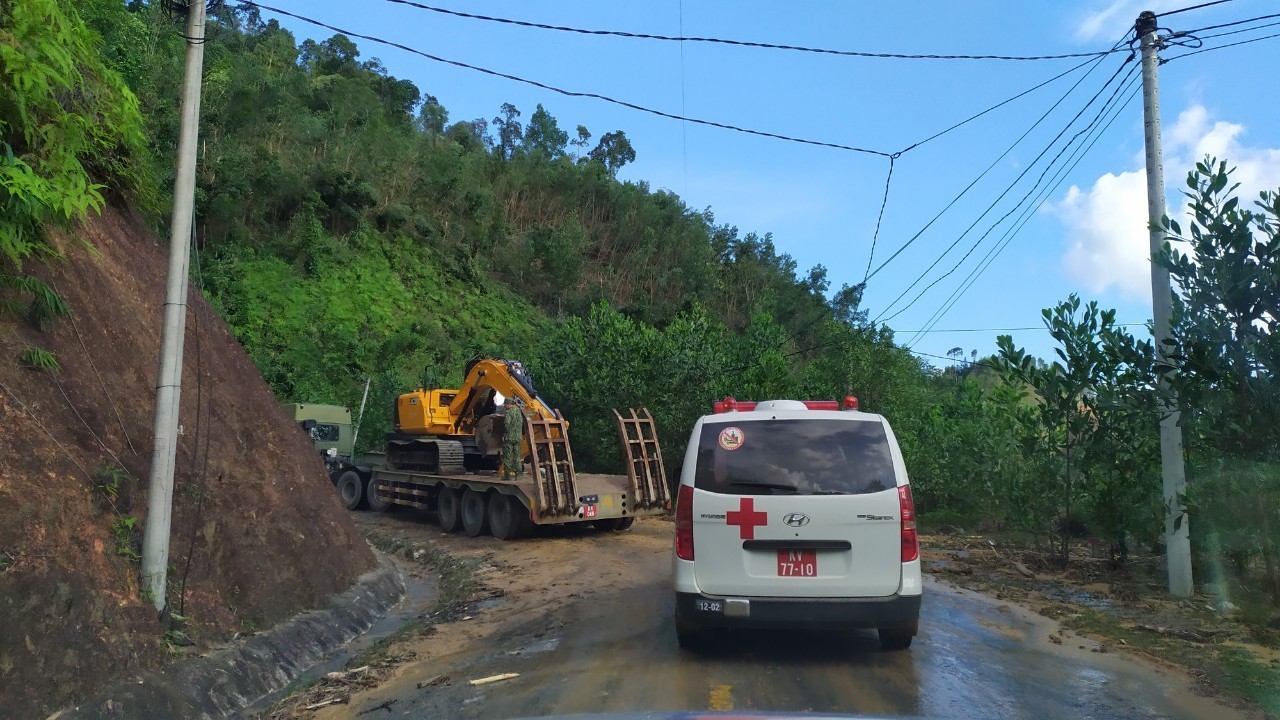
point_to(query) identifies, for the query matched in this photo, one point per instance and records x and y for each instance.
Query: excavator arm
(485, 376)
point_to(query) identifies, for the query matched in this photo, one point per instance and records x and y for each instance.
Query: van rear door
(796, 507)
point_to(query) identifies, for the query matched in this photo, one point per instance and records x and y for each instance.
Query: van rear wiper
(772, 486)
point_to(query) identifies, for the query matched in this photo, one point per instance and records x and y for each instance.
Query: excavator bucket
(552, 462)
(644, 459)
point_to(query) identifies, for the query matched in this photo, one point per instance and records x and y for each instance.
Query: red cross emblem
(746, 518)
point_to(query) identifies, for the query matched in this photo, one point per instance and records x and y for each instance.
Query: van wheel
(351, 490)
(896, 639)
(475, 516)
(614, 524)
(508, 519)
(379, 496)
(447, 510)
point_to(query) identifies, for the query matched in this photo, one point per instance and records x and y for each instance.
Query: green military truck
(332, 433)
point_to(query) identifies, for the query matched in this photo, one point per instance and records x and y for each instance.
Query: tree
(509, 130)
(846, 302)
(584, 137)
(613, 151)
(543, 137)
(1226, 343)
(335, 56)
(1078, 424)
(432, 117)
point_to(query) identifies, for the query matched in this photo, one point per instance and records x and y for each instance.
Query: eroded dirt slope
(258, 533)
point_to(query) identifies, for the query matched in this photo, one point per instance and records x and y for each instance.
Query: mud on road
(584, 620)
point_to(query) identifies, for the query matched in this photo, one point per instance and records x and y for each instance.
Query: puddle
(487, 603)
(1074, 596)
(419, 597)
(539, 647)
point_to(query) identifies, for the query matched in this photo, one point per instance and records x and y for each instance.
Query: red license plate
(797, 563)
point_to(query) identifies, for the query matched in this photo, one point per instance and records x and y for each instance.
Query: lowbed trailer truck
(491, 456)
(546, 492)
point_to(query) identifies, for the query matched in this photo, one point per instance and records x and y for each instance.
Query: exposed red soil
(268, 540)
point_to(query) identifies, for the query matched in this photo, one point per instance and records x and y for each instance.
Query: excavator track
(417, 454)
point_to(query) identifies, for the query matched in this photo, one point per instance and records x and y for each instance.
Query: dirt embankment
(258, 533)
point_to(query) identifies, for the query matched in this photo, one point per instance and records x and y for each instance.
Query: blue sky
(821, 204)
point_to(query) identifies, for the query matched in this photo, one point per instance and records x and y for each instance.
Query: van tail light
(910, 541)
(684, 523)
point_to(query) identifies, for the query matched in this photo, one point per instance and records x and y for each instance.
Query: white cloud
(1107, 240)
(1114, 17)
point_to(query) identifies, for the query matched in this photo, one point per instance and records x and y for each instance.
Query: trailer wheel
(351, 490)
(447, 510)
(378, 495)
(508, 519)
(614, 524)
(475, 516)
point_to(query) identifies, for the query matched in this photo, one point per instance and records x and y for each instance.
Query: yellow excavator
(446, 431)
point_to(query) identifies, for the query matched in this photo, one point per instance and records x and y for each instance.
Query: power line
(562, 91)
(1005, 192)
(982, 363)
(1194, 7)
(1222, 47)
(876, 235)
(998, 105)
(1022, 221)
(1106, 107)
(1236, 32)
(1006, 329)
(1230, 24)
(740, 43)
(988, 169)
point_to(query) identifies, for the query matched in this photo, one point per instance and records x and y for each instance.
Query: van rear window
(794, 457)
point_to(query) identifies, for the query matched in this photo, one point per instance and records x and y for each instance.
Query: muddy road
(584, 618)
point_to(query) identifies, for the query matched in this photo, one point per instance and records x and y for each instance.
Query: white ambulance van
(795, 514)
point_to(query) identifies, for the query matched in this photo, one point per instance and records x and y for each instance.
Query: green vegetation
(348, 229)
(69, 129)
(126, 532)
(40, 359)
(107, 479)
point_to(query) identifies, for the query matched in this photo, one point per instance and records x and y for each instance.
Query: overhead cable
(1007, 190)
(1005, 329)
(988, 169)
(1237, 32)
(1106, 107)
(1221, 47)
(1194, 7)
(1230, 24)
(741, 43)
(562, 91)
(1013, 231)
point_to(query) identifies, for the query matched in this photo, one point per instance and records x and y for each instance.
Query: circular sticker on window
(731, 438)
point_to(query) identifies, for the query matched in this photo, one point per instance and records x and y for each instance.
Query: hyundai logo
(796, 520)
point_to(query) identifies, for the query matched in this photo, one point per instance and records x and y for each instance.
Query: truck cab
(328, 426)
(331, 432)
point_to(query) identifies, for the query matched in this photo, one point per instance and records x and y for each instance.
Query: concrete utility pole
(1176, 521)
(155, 544)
